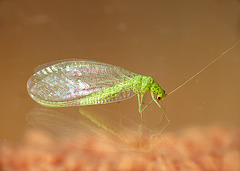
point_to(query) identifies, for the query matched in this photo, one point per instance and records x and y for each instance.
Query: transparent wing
(43, 66)
(68, 80)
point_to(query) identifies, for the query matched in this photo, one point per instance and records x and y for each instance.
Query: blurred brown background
(169, 40)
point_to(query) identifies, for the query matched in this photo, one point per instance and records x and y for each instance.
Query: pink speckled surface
(203, 149)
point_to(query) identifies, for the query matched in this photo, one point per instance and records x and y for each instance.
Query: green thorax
(143, 84)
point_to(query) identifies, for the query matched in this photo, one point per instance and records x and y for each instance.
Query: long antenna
(217, 58)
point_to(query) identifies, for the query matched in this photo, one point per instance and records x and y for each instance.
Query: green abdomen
(109, 95)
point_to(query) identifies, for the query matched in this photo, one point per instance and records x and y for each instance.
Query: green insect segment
(79, 82)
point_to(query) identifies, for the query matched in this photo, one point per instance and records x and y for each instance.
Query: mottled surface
(203, 149)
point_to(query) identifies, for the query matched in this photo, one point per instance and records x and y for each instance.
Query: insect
(80, 82)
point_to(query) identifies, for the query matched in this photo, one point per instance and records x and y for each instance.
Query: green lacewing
(80, 82)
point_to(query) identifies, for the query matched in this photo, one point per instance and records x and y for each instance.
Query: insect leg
(140, 102)
(140, 97)
(159, 107)
(147, 105)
